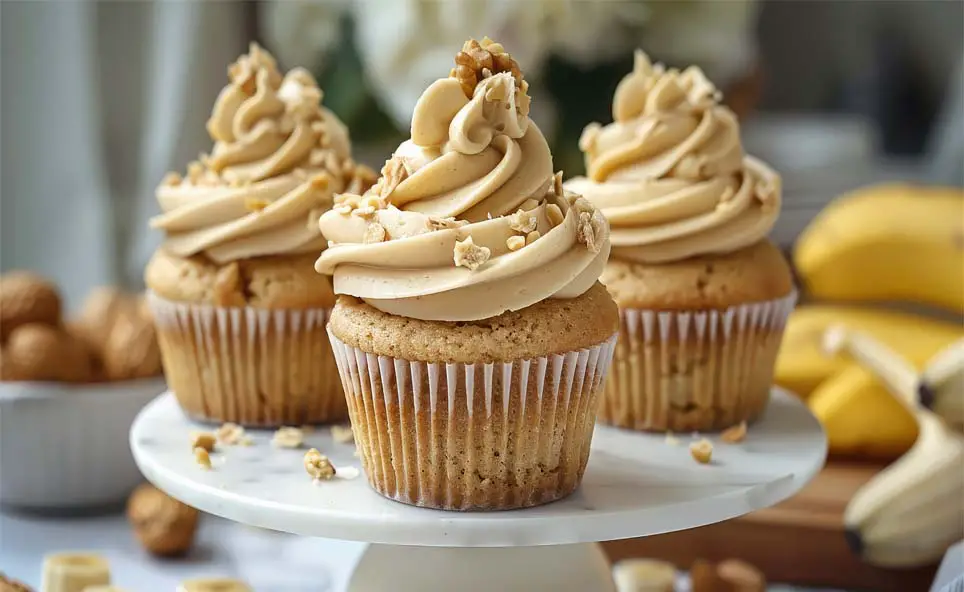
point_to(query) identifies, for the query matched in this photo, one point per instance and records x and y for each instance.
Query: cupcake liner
(694, 370)
(254, 367)
(487, 436)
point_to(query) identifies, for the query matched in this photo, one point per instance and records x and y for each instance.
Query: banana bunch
(879, 244)
(912, 511)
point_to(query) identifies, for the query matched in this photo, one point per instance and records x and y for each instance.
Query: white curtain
(99, 100)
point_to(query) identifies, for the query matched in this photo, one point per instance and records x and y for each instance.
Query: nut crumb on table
(342, 434)
(702, 451)
(230, 434)
(205, 440)
(318, 465)
(734, 434)
(203, 458)
(288, 437)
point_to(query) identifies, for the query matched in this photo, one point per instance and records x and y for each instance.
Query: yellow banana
(941, 386)
(802, 365)
(913, 510)
(74, 572)
(887, 243)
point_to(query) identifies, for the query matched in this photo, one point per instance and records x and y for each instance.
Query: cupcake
(240, 311)
(703, 295)
(471, 332)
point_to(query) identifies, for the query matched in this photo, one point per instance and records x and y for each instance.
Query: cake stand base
(507, 569)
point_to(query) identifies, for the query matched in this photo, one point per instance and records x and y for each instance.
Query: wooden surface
(800, 541)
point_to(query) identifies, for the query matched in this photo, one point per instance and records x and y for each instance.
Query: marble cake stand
(636, 485)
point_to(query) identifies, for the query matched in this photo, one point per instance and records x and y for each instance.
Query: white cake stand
(636, 485)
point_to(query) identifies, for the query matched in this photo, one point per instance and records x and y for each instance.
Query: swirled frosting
(670, 173)
(278, 159)
(467, 220)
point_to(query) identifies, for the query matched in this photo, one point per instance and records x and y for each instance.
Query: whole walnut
(27, 298)
(36, 351)
(131, 349)
(163, 525)
(98, 314)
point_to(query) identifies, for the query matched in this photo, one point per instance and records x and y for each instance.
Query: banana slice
(213, 585)
(74, 572)
(644, 575)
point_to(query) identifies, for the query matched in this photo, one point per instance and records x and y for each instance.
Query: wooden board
(800, 541)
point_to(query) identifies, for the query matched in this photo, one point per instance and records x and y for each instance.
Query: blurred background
(100, 99)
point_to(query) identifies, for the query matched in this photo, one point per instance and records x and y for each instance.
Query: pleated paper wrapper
(487, 436)
(695, 370)
(251, 366)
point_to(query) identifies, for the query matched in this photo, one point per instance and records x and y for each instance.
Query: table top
(635, 485)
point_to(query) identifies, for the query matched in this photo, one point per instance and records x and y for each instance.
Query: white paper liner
(482, 436)
(251, 366)
(694, 370)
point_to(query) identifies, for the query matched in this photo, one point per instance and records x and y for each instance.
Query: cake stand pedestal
(636, 485)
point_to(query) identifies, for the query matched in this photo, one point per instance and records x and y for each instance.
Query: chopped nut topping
(194, 171)
(375, 233)
(393, 173)
(475, 58)
(554, 214)
(318, 465)
(702, 451)
(288, 437)
(470, 255)
(532, 237)
(202, 458)
(321, 181)
(255, 204)
(343, 209)
(342, 434)
(172, 179)
(734, 434)
(368, 206)
(436, 223)
(205, 440)
(557, 184)
(230, 434)
(585, 233)
(515, 242)
(522, 221)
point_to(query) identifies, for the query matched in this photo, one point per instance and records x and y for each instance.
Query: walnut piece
(205, 440)
(318, 465)
(532, 237)
(554, 215)
(202, 458)
(163, 525)
(393, 173)
(230, 434)
(342, 434)
(435, 223)
(478, 59)
(470, 255)
(702, 451)
(557, 184)
(514, 243)
(375, 233)
(734, 434)
(585, 233)
(522, 221)
(288, 437)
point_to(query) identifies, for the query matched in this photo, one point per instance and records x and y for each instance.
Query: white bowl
(64, 446)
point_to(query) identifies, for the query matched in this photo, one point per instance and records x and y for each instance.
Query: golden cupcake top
(467, 219)
(670, 173)
(278, 159)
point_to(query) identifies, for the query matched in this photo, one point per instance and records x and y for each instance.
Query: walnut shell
(27, 298)
(163, 525)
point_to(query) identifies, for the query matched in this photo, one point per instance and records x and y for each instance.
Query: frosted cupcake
(703, 294)
(471, 332)
(240, 311)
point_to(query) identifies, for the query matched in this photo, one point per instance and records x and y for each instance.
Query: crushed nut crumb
(318, 465)
(734, 434)
(205, 440)
(255, 204)
(702, 451)
(230, 433)
(194, 171)
(554, 215)
(436, 223)
(532, 237)
(522, 221)
(585, 233)
(375, 233)
(342, 434)
(288, 437)
(671, 439)
(557, 184)
(202, 458)
(470, 255)
(172, 179)
(514, 243)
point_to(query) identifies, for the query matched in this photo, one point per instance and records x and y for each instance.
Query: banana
(887, 243)
(213, 585)
(74, 572)
(912, 511)
(802, 365)
(941, 387)
(644, 575)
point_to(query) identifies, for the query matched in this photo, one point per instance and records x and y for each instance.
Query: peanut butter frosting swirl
(467, 220)
(278, 159)
(670, 173)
